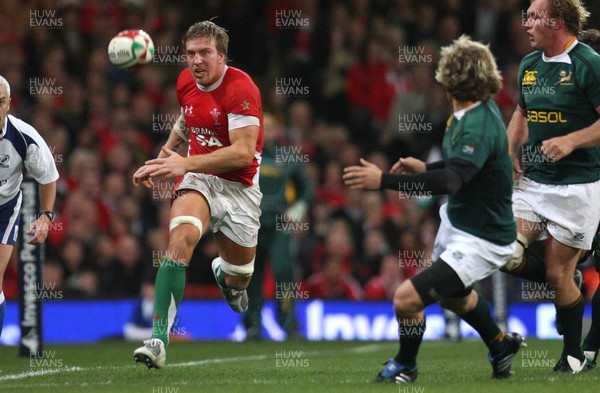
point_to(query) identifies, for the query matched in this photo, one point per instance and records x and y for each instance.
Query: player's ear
(557, 23)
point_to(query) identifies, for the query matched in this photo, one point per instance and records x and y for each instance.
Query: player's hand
(557, 148)
(39, 228)
(367, 176)
(168, 167)
(408, 165)
(141, 176)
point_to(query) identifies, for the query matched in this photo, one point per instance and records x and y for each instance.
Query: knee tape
(186, 220)
(517, 257)
(237, 270)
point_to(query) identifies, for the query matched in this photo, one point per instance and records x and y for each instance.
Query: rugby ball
(131, 48)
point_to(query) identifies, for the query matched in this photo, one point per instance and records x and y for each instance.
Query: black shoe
(501, 362)
(573, 365)
(253, 334)
(295, 336)
(396, 372)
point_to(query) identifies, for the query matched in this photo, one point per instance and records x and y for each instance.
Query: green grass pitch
(283, 367)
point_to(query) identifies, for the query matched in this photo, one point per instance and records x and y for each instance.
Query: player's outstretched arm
(440, 178)
(177, 142)
(560, 147)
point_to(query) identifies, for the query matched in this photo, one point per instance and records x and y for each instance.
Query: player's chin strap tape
(237, 270)
(517, 257)
(186, 220)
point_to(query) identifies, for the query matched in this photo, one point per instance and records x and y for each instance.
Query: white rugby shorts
(234, 207)
(569, 212)
(471, 257)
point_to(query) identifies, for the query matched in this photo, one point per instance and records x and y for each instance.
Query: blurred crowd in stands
(346, 79)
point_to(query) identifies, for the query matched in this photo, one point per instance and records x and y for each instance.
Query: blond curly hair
(468, 71)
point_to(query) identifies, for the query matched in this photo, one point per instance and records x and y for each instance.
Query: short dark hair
(208, 29)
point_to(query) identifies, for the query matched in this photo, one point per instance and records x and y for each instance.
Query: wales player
(555, 127)
(477, 233)
(217, 181)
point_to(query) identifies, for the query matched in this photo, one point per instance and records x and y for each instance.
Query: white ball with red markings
(131, 48)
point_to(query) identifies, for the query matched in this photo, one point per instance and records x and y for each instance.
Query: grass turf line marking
(39, 373)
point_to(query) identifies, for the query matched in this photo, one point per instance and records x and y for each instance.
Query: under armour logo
(187, 110)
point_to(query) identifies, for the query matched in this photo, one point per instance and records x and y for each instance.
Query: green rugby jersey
(282, 181)
(560, 95)
(482, 207)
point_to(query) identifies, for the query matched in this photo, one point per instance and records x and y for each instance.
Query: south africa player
(556, 129)
(477, 233)
(279, 209)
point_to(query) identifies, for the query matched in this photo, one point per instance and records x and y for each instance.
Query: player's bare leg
(233, 270)
(189, 217)
(560, 265)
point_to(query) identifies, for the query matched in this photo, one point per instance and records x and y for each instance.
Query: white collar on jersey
(214, 85)
(461, 112)
(563, 57)
(4, 127)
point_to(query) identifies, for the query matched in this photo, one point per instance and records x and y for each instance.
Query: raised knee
(405, 306)
(557, 278)
(237, 276)
(517, 258)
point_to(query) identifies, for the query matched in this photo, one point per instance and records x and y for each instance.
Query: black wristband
(49, 214)
(435, 165)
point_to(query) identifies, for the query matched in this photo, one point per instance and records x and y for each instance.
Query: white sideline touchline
(39, 373)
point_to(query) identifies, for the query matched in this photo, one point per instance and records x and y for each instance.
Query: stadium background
(347, 79)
